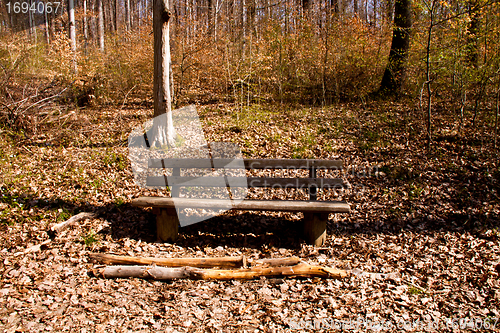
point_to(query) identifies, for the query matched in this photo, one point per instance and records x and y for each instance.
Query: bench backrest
(312, 183)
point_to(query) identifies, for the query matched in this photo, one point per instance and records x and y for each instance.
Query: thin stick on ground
(56, 229)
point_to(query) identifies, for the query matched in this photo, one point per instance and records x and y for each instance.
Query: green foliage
(415, 291)
(119, 201)
(62, 215)
(116, 160)
(90, 238)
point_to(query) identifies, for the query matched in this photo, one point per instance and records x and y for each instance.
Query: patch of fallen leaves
(422, 238)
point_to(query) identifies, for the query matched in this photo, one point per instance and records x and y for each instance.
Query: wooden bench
(315, 212)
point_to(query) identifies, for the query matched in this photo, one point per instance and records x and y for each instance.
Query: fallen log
(169, 273)
(112, 259)
(223, 262)
(56, 229)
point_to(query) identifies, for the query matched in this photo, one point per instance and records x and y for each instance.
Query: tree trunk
(72, 32)
(163, 132)
(472, 34)
(128, 24)
(100, 24)
(209, 16)
(85, 25)
(115, 15)
(47, 31)
(394, 74)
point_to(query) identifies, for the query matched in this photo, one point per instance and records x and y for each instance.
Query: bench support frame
(315, 228)
(167, 224)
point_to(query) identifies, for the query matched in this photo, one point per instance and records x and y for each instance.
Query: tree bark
(167, 273)
(72, 32)
(394, 74)
(226, 262)
(56, 229)
(472, 34)
(128, 24)
(162, 132)
(100, 24)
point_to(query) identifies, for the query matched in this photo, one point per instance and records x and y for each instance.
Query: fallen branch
(111, 259)
(168, 273)
(56, 229)
(226, 262)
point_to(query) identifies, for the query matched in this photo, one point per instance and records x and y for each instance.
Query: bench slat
(250, 164)
(258, 205)
(284, 183)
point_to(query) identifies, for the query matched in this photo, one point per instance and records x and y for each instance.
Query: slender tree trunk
(209, 17)
(334, 5)
(496, 115)
(47, 32)
(85, 25)
(394, 74)
(163, 132)
(100, 24)
(428, 72)
(72, 32)
(128, 23)
(115, 15)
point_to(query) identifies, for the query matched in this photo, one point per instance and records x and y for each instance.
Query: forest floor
(425, 223)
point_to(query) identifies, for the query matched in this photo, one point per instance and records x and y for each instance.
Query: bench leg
(167, 225)
(315, 228)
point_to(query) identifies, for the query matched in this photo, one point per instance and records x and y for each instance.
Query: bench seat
(257, 205)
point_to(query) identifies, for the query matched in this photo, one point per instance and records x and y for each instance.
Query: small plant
(415, 291)
(415, 192)
(97, 183)
(63, 215)
(117, 160)
(119, 201)
(179, 141)
(90, 238)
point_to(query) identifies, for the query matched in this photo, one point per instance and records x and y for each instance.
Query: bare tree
(162, 132)
(128, 23)
(72, 32)
(100, 24)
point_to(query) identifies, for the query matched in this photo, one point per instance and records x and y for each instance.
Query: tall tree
(394, 73)
(100, 24)
(72, 31)
(473, 33)
(162, 132)
(128, 23)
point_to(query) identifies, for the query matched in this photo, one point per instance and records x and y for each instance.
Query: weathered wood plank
(282, 183)
(250, 164)
(259, 205)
